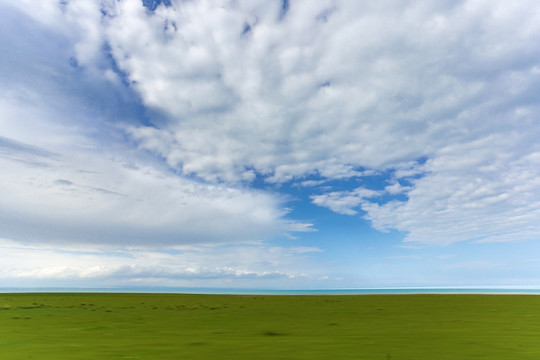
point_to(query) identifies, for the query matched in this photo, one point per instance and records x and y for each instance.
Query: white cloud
(181, 266)
(484, 191)
(82, 197)
(332, 87)
(396, 188)
(69, 176)
(344, 202)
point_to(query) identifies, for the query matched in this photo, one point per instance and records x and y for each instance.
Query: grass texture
(171, 326)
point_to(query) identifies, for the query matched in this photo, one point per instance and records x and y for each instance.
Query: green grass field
(159, 326)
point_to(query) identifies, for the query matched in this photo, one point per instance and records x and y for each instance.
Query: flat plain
(175, 326)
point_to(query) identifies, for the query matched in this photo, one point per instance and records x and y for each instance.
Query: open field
(159, 326)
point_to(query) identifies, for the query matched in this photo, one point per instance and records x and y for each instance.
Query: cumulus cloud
(329, 87)
(335, 86)
(484, 191)
(344, 202)
(68, 174)
(442, 95)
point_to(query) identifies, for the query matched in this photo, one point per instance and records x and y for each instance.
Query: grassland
(159, 326)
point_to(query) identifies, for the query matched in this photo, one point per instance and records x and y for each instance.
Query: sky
(282, 144)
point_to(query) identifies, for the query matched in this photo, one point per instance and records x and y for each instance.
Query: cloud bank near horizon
(178, 266)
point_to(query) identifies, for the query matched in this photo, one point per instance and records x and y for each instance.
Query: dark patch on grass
(29, 307)
(273, 333)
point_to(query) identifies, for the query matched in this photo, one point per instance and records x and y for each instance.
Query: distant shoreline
(239, 291)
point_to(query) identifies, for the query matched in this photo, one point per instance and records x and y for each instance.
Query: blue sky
(269, 144)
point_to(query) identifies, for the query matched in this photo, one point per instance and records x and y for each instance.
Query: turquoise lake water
(236, 291)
